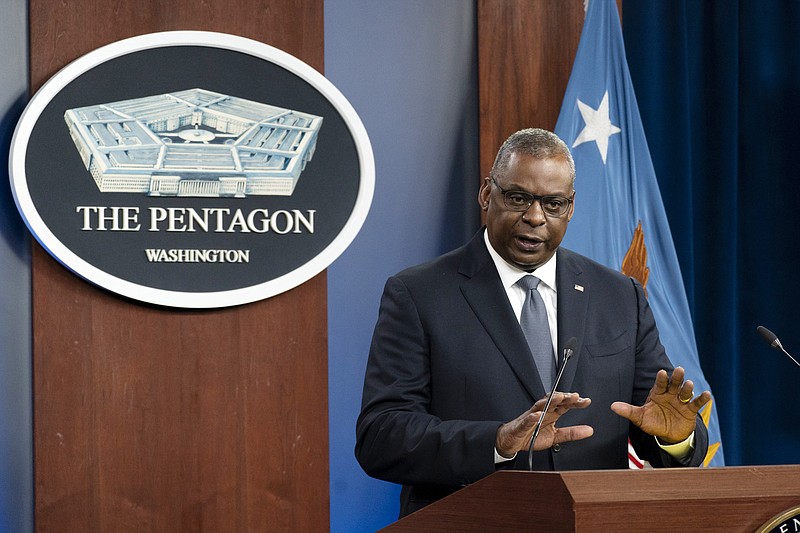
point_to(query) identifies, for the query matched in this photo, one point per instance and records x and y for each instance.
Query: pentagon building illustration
(194, 143)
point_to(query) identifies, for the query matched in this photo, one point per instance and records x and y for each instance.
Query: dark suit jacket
(449, 364)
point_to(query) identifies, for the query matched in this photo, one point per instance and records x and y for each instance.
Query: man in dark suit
(453, 386)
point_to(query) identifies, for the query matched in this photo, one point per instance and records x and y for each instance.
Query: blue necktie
(533, 321)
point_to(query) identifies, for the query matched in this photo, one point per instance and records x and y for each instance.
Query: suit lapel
(573, 301)
(486, 296)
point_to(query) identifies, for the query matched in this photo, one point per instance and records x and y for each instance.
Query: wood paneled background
(154, 419)
(525, 53)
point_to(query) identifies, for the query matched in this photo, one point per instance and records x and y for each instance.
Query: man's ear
(483, 194)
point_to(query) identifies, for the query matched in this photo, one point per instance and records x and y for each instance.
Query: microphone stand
(567, 354)
(772, 339)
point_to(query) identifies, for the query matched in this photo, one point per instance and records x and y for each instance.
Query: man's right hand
(515, 436)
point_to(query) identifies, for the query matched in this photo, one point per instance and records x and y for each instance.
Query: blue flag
(619, 217)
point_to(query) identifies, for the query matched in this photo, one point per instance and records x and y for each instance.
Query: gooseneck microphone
(772, 339)
(569, 349)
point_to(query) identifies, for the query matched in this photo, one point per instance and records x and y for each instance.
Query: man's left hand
(670, 411)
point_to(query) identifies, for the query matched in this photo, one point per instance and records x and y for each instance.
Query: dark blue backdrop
(718, 84)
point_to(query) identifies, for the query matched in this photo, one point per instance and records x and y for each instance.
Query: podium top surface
(738, 498)
(666, 484)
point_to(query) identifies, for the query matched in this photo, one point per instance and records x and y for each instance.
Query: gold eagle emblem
(634, 264)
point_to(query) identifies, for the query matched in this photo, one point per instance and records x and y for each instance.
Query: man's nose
(534, 214)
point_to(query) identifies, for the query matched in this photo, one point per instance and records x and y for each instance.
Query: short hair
(536, 142)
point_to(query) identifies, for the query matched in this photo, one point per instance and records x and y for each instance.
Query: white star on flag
(598, 126)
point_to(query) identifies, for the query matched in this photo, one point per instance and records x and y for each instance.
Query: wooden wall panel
(525, 53)
(153, 419)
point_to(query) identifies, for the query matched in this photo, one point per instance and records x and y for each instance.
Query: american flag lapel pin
(579, 288)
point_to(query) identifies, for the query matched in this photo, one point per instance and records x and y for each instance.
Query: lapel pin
(579, 287)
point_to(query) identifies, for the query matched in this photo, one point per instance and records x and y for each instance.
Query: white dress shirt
(510, 275)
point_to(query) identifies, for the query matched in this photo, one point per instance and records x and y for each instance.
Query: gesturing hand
(669, 412)
(515, 436)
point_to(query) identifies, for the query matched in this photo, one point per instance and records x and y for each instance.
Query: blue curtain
(718, 85)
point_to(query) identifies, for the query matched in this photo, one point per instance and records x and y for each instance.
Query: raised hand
(670, 411)
(515, 436)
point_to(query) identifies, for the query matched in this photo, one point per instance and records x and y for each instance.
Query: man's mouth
(529, 244)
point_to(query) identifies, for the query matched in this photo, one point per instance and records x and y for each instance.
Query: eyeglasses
(552, 205)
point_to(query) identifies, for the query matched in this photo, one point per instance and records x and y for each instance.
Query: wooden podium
(670, 499)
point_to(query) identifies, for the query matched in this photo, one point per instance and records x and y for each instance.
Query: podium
(667, 499)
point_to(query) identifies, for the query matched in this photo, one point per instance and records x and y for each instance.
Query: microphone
(772, 339)
(569, 349)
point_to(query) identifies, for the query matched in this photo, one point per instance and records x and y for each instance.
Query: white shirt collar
(510, 274)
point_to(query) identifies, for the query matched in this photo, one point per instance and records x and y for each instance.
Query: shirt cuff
(500, 459)
(679, 450)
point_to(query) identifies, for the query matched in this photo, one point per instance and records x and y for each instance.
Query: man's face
(527, 239)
